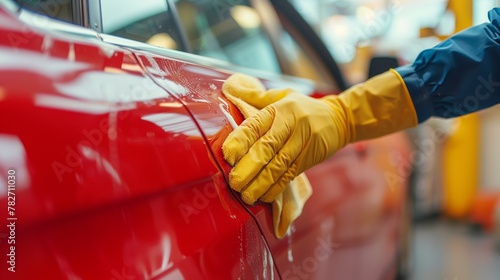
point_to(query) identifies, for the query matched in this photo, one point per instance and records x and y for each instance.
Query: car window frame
(309, 40)
(272, 27)
(80, 13)
(95, 20)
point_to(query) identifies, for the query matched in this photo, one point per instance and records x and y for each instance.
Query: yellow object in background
(461, 151)
(463, 13)
(461, 167)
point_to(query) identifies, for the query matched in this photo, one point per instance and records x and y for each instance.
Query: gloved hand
(297, 132)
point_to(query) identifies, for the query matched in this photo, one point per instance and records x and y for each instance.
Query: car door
(114, 177)
(351, 193)
(346, 208)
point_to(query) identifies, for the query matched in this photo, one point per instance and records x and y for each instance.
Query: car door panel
(175, 194)
(354, 211)
(346, 209)
(114, 177)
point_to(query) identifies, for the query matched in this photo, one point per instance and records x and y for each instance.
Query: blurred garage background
(455, 182)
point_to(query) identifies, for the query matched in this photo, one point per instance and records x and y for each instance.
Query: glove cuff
(380, 106)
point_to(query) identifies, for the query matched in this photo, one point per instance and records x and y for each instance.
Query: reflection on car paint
(13, 157)
(204, 71)
(176, 123)
(225, 110)
(102, 163)
(173, 88)
(70, 104)
(290, 242)
(55, 69)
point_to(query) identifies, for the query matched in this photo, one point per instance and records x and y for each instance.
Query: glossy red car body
(118, 174)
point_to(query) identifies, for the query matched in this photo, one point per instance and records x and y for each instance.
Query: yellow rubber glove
(297, 132)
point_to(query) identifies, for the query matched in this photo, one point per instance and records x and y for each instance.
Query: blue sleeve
(458, 76)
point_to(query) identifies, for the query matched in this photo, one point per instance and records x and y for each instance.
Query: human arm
(458, 76)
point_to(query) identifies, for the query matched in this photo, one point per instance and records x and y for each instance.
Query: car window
(147, 21)
(301, 64)
(228, 30)
(61, 10)
(308, 57)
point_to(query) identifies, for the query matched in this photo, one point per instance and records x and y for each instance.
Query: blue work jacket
(459, 75)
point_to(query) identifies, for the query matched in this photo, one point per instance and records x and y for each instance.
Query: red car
(111, 164)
